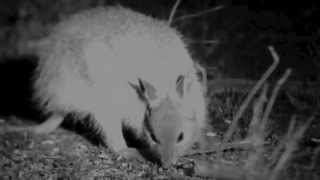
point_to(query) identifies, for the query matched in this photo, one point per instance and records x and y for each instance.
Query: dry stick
(246, 102)
(224, 144)
(293, 137)
(244, 145)
(283, 159)
(257, 115)
(189, 41)
(270, 104)
(316, 155)
(260, 130)
(277, 151)
(199, 13)
(254, 134)
(173, 11)
(273, 98)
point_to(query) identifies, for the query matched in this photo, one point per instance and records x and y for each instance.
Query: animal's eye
(153, 137)
(148, 126)
(180, 137)
(179, 79)
(148, 111)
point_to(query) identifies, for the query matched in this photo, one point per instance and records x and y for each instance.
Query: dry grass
(65, 155)
(262, 160)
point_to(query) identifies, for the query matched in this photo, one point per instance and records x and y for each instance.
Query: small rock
(211, 134)
(103, 156)
(50, 142)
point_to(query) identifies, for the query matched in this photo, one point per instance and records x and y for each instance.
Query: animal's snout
(167, 157)
(168, 161)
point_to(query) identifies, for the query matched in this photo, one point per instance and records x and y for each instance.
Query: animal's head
(171, 125)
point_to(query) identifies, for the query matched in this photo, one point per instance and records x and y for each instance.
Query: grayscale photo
(170, 89)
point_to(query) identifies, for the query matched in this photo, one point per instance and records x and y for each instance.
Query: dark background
(242, 30)
(239, 34)
(230, 41)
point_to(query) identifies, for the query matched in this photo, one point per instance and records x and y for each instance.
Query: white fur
(88, 60)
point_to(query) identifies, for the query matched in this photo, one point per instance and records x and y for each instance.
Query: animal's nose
(166, 162)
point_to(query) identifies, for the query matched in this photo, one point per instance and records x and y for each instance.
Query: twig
(173, 11)
(273, 98)
(255, 135)
(316, 155)
(190, 41)
(199, 13)
(258, 108)
(293, 136)
(243, 145)
(275, 155)
(246, 102)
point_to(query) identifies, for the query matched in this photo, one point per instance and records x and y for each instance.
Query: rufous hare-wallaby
(129, 71)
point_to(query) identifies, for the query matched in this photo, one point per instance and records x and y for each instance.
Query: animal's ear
(202, 73)
(145, 90)
(140, 89)
(180, 85)
(183, 85)
(150, 91)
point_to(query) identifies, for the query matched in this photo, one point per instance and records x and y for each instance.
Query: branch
(173, 11)
(273, 96)
(199, 13)
(246, 102)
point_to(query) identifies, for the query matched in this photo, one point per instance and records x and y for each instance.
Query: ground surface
(65, 154)
(242, 35)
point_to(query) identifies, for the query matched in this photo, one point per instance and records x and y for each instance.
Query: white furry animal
(129, 71)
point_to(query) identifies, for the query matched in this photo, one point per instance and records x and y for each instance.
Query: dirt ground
(65, 154)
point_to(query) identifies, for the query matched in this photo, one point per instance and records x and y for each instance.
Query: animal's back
(94, 54)
(93, 61)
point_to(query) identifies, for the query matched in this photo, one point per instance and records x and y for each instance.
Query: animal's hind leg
(44, 128)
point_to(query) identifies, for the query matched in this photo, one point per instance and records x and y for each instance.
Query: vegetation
(258, 127)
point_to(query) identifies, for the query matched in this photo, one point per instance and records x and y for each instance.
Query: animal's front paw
(131, 154)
